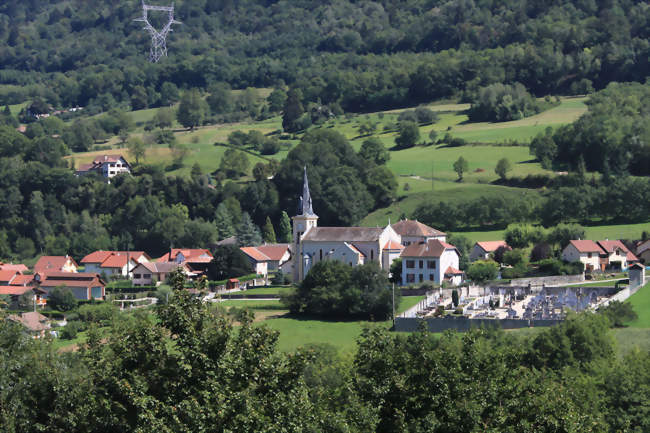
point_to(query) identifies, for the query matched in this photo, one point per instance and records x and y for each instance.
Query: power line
(158, 38)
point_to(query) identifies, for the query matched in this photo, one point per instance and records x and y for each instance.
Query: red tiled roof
(192, 255)
(631, 257)
(490, 246)
(415, 228)
(96, 257)
(70, 279)
(432, 248)
(18, 290)
(255, 254)
(8, 275)
(108, 158)
(54, 263)
(115, 261)
(453, 271)
(22, 280)
(586, 246)
(391, 245)
(13, 267)
(85, 167)
(33, 321)
(274, 252)
(611, 246)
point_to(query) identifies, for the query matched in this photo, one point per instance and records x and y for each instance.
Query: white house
(55, 263)
(482, 250)
(413, 232)
(430, 261)
(350, 245)
(268, 258)
(113, 262)
(587, 252)
(107, 166)
(617, 254)
(150, 273)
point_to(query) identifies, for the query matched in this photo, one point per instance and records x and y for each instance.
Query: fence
(411, 324)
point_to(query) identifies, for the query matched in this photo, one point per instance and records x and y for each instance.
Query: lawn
(253, 304)
(641, 303)
(277, 290)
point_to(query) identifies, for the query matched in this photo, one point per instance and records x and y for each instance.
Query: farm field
(641, 303)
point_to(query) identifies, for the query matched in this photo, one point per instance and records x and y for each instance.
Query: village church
(356, 245)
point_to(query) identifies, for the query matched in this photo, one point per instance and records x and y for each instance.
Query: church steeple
(305, 207)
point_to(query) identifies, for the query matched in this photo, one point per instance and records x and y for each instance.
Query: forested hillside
(363, 55)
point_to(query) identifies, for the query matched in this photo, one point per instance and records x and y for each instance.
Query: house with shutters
(107, 166)
(431, 261)
(587, 252)
(618, 255)
(56, 263)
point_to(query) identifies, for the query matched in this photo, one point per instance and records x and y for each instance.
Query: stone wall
(411, 324)
(554, 280)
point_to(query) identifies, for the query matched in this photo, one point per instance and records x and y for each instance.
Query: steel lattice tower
(158, 38)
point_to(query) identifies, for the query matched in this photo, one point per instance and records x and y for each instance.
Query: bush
(97, 313)
(61, 298)
(454, 297)
(70, 331)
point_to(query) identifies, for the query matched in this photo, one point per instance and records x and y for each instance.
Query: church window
(372, 254)
(321, 254)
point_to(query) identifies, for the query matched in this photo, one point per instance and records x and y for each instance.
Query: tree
(164, 118)
(139, 99)
(408, 135)
(247, 233)
(482, 270)
(25, 248)
(229, 262)
(191, 110)
(334, 289)
(276, 100)
(168, 94)
(234, 163)
(268, 232)
(433, 135)
(454, 297)
(502, 168)
(425, 115)
(373, 150)
(136, 148)
(284, 229)
(61, 298)
(220, 98)
(293, 110)
(396, 272)
(541, 251)
(460, 167)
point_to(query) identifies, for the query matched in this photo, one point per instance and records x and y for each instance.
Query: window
(137, 276)
(431, 264)
(146, 275)
(407, 243)
(421, 277)
(421, 264)
(410, 278)
(321, 255)
(588, 255)
(372, 254)
(431, 277)
(410, 264)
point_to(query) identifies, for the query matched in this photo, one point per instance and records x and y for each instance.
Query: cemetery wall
(440, 324)
(548, 281)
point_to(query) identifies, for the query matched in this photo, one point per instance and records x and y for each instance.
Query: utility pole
(158, 38)
(393, 304)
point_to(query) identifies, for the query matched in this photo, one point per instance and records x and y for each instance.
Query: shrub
(619, 313)
(454, 297)
(70, 331)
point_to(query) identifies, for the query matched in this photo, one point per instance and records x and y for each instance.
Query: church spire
(305, 200)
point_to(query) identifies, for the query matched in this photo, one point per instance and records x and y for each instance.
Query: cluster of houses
(63, 271)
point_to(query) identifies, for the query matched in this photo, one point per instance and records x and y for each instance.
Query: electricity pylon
(158, 38)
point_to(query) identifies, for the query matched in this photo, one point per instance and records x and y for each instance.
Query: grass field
(617, 231)
(449, 192)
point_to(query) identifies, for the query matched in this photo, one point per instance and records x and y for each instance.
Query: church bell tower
(305, 220)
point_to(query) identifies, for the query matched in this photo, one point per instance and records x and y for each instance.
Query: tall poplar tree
(268, 232)
(284, 229)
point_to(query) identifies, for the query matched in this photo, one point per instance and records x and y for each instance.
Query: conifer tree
(284, 229)
(223, 221)
(268, 232)
(247, 233)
